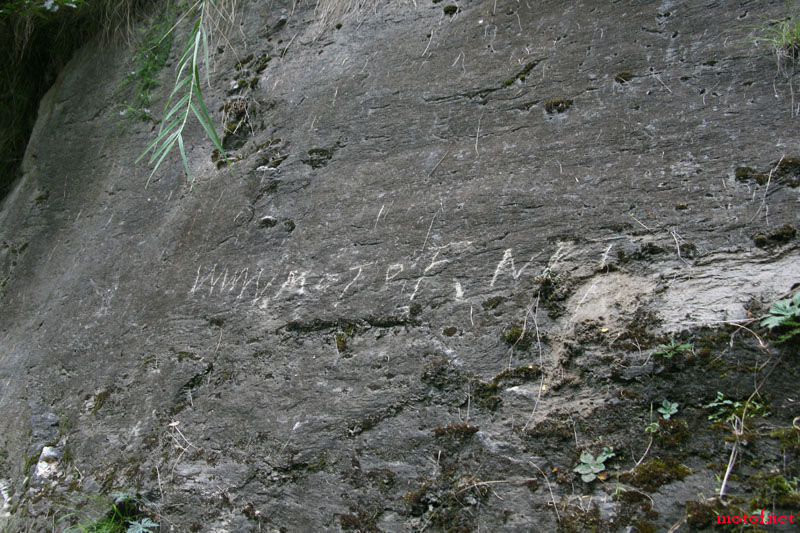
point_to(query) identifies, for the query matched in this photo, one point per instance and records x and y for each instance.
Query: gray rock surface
(321, 336)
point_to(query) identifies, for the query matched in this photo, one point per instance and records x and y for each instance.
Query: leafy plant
(727, 409)
(125, 516)
(784, 314)
(144, 526)
(591, 466)
(667, 409)
(187, 84)
(782, 34)
(673, 348)
(153, 52)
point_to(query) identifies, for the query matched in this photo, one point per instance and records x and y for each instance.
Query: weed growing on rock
(727, 409)
(591, 466)
(785, 315)
(126, 515)
(667, 409)
(782, 34)
(671, 349)
(150, 58)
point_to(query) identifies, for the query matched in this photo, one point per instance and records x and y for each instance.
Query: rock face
(439, 270)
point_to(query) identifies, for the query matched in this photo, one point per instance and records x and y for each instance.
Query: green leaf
(586, 457)
(166, 145)
(178, 87)
(165, 151)
(584, 468)
(588, 478)
(205, 121)
(185, 96)
(158, 139)
(205, 56)
(771, 321)
(178, 107)
(781, 307)
(608, 453)
(142, 526)
(183, 156)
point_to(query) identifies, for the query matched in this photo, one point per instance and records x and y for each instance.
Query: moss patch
(557, 105)
(657, 472)
(492, 303)
(782, 235)
(623, 77)
(450, 10)
(774, 491)
(518, 339)
(448, 502)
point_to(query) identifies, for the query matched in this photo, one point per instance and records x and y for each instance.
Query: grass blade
(178, 106)
(159, 163)
(166, 147)
(183, 156)
(205, 121)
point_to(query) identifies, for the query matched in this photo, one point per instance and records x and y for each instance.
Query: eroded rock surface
(440, 269)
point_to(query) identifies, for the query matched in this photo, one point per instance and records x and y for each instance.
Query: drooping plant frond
(186, 98)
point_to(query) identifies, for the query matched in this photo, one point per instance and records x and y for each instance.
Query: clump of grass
(154, 46)
(126, 514)
(783, 34)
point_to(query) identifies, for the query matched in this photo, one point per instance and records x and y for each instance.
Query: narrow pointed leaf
(209, 127)
(179, 106)
(166, 146)
(183, 156)
(205, 56)
(163, 133)
(155, 168)
(207, 117)
(179, 86)
(158, 139)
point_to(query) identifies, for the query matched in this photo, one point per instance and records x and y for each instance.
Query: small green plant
(727, 409)
(667, 409)
(671, 349)
(652, 427)
(153, 52)
(125, 516)
(591, 466)
(784, 314)
(783, 34)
